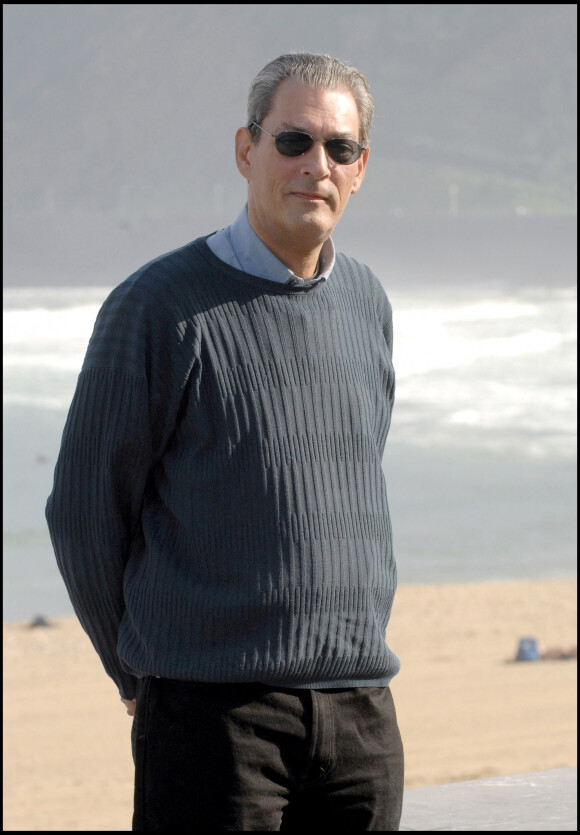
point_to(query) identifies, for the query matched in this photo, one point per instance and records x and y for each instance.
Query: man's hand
(130, 705)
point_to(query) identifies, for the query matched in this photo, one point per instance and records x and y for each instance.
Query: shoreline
(402, 584)
(466, 711)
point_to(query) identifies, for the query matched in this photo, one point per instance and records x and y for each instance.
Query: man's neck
(303, 262)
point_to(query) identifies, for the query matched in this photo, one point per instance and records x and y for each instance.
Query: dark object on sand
(39, 620)
(559, 653)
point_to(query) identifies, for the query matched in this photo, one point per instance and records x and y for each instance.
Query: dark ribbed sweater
(219, 510)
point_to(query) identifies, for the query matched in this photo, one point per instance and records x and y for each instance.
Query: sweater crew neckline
(273, 288)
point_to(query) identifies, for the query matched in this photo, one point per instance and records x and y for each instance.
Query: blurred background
(119, 123)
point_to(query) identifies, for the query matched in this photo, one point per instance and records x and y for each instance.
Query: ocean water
(480, 461)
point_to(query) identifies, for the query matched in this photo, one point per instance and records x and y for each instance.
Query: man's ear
(244, 152)
(362, 164)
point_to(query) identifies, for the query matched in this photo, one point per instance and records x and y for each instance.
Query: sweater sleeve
(121, 417)
(385, 313)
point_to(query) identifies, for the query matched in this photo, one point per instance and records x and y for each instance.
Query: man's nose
(315, 161)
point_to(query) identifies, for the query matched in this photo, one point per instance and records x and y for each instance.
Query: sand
(466, 709)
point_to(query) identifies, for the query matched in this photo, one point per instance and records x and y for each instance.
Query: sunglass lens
(293, 143)
(343, 151)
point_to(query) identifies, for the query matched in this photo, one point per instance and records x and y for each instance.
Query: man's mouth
(307, 195)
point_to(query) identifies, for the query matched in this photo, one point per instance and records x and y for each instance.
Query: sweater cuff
(127, 687)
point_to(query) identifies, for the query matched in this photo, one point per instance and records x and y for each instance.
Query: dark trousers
(247, 757)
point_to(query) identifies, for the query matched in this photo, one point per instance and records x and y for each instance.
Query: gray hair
(317, 71)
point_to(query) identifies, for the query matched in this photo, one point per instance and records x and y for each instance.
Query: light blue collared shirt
(239, 246)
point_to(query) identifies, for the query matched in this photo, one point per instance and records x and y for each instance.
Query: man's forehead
(294, 103)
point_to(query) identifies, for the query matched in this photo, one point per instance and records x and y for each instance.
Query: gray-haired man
(219, 511)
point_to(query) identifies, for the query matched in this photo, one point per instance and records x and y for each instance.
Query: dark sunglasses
(293, 143)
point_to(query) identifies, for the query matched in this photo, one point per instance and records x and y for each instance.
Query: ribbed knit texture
(219, 511)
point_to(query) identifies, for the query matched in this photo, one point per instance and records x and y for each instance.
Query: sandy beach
(466, 709)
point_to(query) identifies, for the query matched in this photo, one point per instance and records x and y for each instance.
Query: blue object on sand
(528, 650)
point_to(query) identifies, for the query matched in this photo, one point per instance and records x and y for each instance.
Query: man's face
(295, 202)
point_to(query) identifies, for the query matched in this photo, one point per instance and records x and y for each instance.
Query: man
(219, 511)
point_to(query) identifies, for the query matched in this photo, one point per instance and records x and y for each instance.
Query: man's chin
(313, 223)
